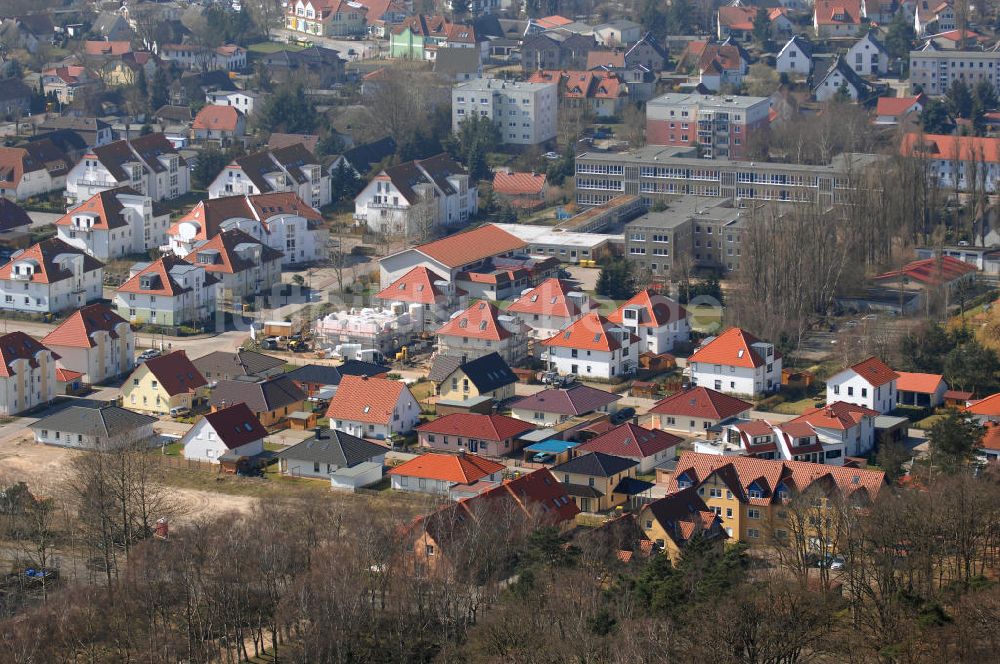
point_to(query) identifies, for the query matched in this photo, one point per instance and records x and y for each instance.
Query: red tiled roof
(923, 383)
(230, 261)
(631, 441)
(165, 284)
(838, 12)
(518, 184)
(839, 415)
(364, 399)
(731, 348)
(105, 206)
(457, 468)
(416, 286)
(470, 246)
(591, 332)
(948, 148)
(67, 375)
(236, 425)
(604, 58)
(553, 21)
(657, 310)
(754, 428)
(940, 270)
(42, 255)
(479, 321)
(957, 395)
(896, 106)
(989, 406)
(96, 47)
(176, 373)
(991, 437)
(217, 118)
(19, 346)
(549, 298)
(701, 402)
(742, 18)
(874, 371)
(488, 427)
(77, 331)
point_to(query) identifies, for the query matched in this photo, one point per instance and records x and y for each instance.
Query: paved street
(363, 50)
(43, 218)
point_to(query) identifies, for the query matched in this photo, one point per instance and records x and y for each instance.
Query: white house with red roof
(648, 447)
(27, 373)
(481, 330)
(550, 306)
(593, 347)
(837, 18)
(94, 341)
(985, 410)
(373, 408)
(242, 264)
(659, 322)
(736, 362)
(169, 291)
(869, 383)
(218, 123)
(231, 432)
(114, 223)
(419, 286)
(737, 22)
(50, 277)
(521, 190)
(326, 18)
(791, 441)
(441, 473)
(496, 435)
(892, 110)
(696, 410)
(843, 423)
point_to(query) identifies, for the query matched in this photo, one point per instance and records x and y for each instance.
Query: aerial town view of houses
(553, 331)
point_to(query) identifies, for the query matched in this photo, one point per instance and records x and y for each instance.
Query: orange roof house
(921, 389)
(467, 247)
(95, 342)
(97, 47)
(480, 321)
(418, 286)
(985, 409)
(551, 305)
(373, 407)
(734, 348)
(890, 110)
(519, 185)
(215, 121)
(79, 330)
(208, 217)
(440, 473)
(942, 270)
(696, 409)
(940, 147)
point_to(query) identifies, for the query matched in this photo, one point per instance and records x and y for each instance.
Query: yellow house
(673, 520)
(752, 497)
(163, 383)
(486, 376)
(599, 482)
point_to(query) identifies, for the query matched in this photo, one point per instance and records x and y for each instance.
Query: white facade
(20, 293)
(934, 71)
(142, 231)
(90, 177)
(108, 358)
(740, 380)
(867, 57)
(314, 189)
(850, 387)
(655, 339)
(526, 113)
(793, 59)
(405, 416)
(202, 443)
(319, 470)
(238, 99)
(27, 386)
(288, 233)
(356, 477)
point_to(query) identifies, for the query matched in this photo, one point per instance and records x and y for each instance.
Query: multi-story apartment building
(958, 163)
(327, 18)
(292, 168)
(935, 70)
(148, 164)
(50, 277)
(524, 112)
(32, 169)
(660, 174)
(417, 197)
(169, 291)
(722, 126)
(114, 223)
(593, 347)
(242, 264)
(27, 373)
(658, 322)
(94, 341)
(694, 231)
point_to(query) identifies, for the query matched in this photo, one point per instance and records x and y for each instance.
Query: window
(753, 533)
(753, 514)
(429, 549)
(715, 493)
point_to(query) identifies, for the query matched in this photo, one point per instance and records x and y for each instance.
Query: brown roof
(518, 184)
(19, 346)
(176, 373)
(631, 441)
(236, 425)
(105, 205)
(40, 155)
(221, 253)
(839, 415)
(12, 215)
(43, 255)
(217, 118)
(210, 214)
(161, 283)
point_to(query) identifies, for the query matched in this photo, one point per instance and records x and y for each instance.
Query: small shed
(957, 398)
(657, 363)
(645, 389)
(300, 420)
(355, 477)
(232, 464)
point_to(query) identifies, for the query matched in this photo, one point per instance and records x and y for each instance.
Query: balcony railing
(95, 183)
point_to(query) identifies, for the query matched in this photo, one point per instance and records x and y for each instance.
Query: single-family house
(27, 373)
(289, 169)
(114, 223)
(557, 404)
(989, 446)
(930, 16)
(593, 347)
(220, 124)
(943, 277)
(326, 18)
(229, 433)
(32, 169)
(599, 482)
(697, 409)
(673, 521)
(647, 447)
(316, 378)
(68, 82)
(984, 410)
(92, 425)
(50, 277)
(795, 57)
(798, 440)
(869, 383)
(842, 424)
(841, 79)
(94, 341)
(837, 18)
(485, 376)
(223, 365)
(163, 384)
(893, 110)
(271, 399)
(556, 50)
(551, 306)
(14, 225)
(716, 64)
(420, 36)
(495, 435)
(920, 389)
(479, 331)
(373, 408)
(736, 362)
(243, 101)
(868, 56)
(659, 322)
(347, 461)
(737, 22)
(440, 474)
(169, 291)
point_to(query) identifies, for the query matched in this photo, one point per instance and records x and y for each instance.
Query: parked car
(148, 354)
(622, 415)
(551, 155)
(543, 457)
(269, 343)
(179, 411)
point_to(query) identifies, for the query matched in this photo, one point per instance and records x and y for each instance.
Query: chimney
(318, 430)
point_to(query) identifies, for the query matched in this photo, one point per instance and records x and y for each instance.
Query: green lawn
(928, 422)
(705, 318)
(273, 47)
(796, 407)
(174, 449)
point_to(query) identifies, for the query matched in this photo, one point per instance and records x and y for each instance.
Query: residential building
(843, 424)
(935, 281)
(837, 18)
(617, 33)
(441, 474)
(481, 330)
(659, 322)
(496, 435)
(92, 425)
(94, 341)
(94, 131)
(716, 64)
(289, 169)
(32, 169)
(599, 482)
(934, 70)
(114, 223)
(593, 347)
(112, 26)
(317, 63)
(752, 495)
(27, 373)
(797, 440)
(229, 433)
(673, 521)
(68, 82)
(524, 112)
(271, 399)
(420, 36)
(736, 362)
(227, 58)
(550, 306)
(15, 225)
(164, 384)
(841, 79)
(738, 21)
(661, 174)
(417, 198)
(317, 379)
(989, 447)
(423, 287)
(363, 158)
(984, 410)
(373, 408)
(223, 365)
(347, 461)
(930, 16)
(486, 376)
(556, 50)
(281, 221)
(220, 124)
(795, 57)
(893, 110)
(647, 447)
(723, 126)
(868, 56)
(242, 264)
(326, 18)
(697, 409)
(149, 164)
(168, 292)
(869, 383)
(555, 405)
(458, 64)
(604, 93)
(959, 163)
(241, 100)
(50, 277)
(923, 390)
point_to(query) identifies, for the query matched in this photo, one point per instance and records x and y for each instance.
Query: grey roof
(803, 44)
(595, 464)
(318, 374)
(240, 363)
(582, 490)
(362, 368)
(334, 447)
(92, 418)
(851, 76)
(261, 396)
(442, 367)
(577, 399)
(457, 61)
(489, 372)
